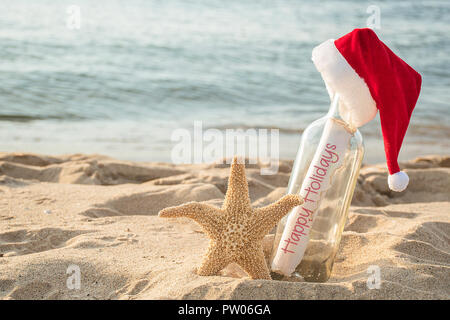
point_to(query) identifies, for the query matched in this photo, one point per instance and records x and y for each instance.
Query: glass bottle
(325, 172)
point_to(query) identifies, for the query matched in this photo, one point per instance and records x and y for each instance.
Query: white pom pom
(398, 181)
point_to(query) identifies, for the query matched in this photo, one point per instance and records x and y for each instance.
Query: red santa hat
(368, 77)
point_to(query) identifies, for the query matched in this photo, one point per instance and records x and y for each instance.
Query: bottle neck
(333, 113)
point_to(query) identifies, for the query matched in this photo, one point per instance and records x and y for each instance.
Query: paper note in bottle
(324, 174)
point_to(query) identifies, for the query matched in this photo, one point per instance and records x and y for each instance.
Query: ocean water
(137, 70)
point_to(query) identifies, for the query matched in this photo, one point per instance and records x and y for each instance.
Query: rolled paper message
(328, 158)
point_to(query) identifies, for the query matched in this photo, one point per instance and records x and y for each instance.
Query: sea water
(135, 71)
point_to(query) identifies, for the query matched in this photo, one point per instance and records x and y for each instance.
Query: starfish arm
(207, 216)
(214, 260)
(264, 219)
(254, 263)
(237, 200)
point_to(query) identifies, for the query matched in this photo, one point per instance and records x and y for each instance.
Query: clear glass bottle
(324, 173)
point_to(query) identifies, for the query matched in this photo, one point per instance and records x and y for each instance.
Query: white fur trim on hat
(356, 105)
(398, 181)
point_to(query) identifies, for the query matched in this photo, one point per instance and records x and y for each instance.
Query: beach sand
(100, 214)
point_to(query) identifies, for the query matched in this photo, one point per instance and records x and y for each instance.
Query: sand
(100, 214)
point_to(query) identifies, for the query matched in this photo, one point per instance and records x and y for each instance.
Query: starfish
(236, 230)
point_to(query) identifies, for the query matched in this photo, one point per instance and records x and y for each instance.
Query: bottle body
(324, 174)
